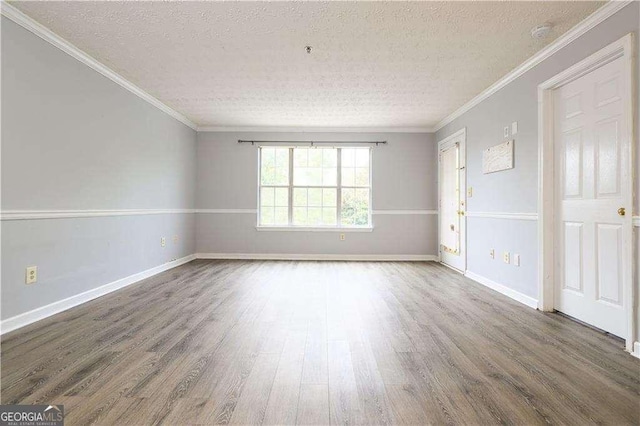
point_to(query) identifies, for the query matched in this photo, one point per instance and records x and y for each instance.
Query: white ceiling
(373, 64)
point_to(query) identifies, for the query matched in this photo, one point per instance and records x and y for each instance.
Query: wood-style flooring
(278, 342)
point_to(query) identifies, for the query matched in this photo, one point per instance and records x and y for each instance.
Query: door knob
(621, 211)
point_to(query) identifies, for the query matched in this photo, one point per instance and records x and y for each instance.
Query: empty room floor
(284, 342)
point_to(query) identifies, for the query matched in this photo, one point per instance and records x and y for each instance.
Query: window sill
(313, 229)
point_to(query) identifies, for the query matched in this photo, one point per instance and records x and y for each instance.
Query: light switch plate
(492, 254)
(342, 237)
(506, 131)
(514, 128)
(470, 192)
(516, 260)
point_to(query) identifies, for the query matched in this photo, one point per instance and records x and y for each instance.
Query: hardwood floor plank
(432, 395)
(313, 407)
(371, 390)
(282, 408)
(315, 354)
(252, 403)
(344, 403)
(408, 404)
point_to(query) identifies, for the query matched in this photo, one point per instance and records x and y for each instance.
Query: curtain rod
(312, 143)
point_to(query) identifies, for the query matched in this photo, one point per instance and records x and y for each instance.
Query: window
(315, 187)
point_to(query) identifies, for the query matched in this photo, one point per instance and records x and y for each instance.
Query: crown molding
(303, 129)
(588, 23)
(46, 34)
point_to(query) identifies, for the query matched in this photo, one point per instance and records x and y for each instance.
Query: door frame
(461, 136)
(622, 48)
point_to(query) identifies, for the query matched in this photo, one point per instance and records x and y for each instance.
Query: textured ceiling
(373, 64)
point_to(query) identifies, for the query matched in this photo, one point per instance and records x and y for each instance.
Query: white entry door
(452, 190)
(593, 198)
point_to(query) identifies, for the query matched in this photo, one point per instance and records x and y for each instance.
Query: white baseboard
(501, 288)
(37, 314)
(345, 257)
(636, 349)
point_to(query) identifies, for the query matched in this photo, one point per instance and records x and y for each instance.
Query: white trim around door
(547, 256)
(454, 257)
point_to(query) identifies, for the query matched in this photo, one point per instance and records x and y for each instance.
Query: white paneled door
(593, 198)
(452, 201)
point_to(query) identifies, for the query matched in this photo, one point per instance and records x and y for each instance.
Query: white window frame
(330, 228)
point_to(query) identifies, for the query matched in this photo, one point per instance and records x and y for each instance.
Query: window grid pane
(274, 206)
(274, 167)
(355, 167)
(315, 166)
(355, 207)
(313, 206)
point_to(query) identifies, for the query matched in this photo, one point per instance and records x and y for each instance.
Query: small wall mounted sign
(498, 157)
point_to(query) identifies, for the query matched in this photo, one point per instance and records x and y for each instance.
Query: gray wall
(404, 178)
(74, 140)
(515, 191)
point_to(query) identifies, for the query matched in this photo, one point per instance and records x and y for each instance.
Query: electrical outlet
(470, 192)
(163, 242)
(506, 131)
(31, 275)
(342, 237)
(505, 257)
(492, 253)
(516, 259)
